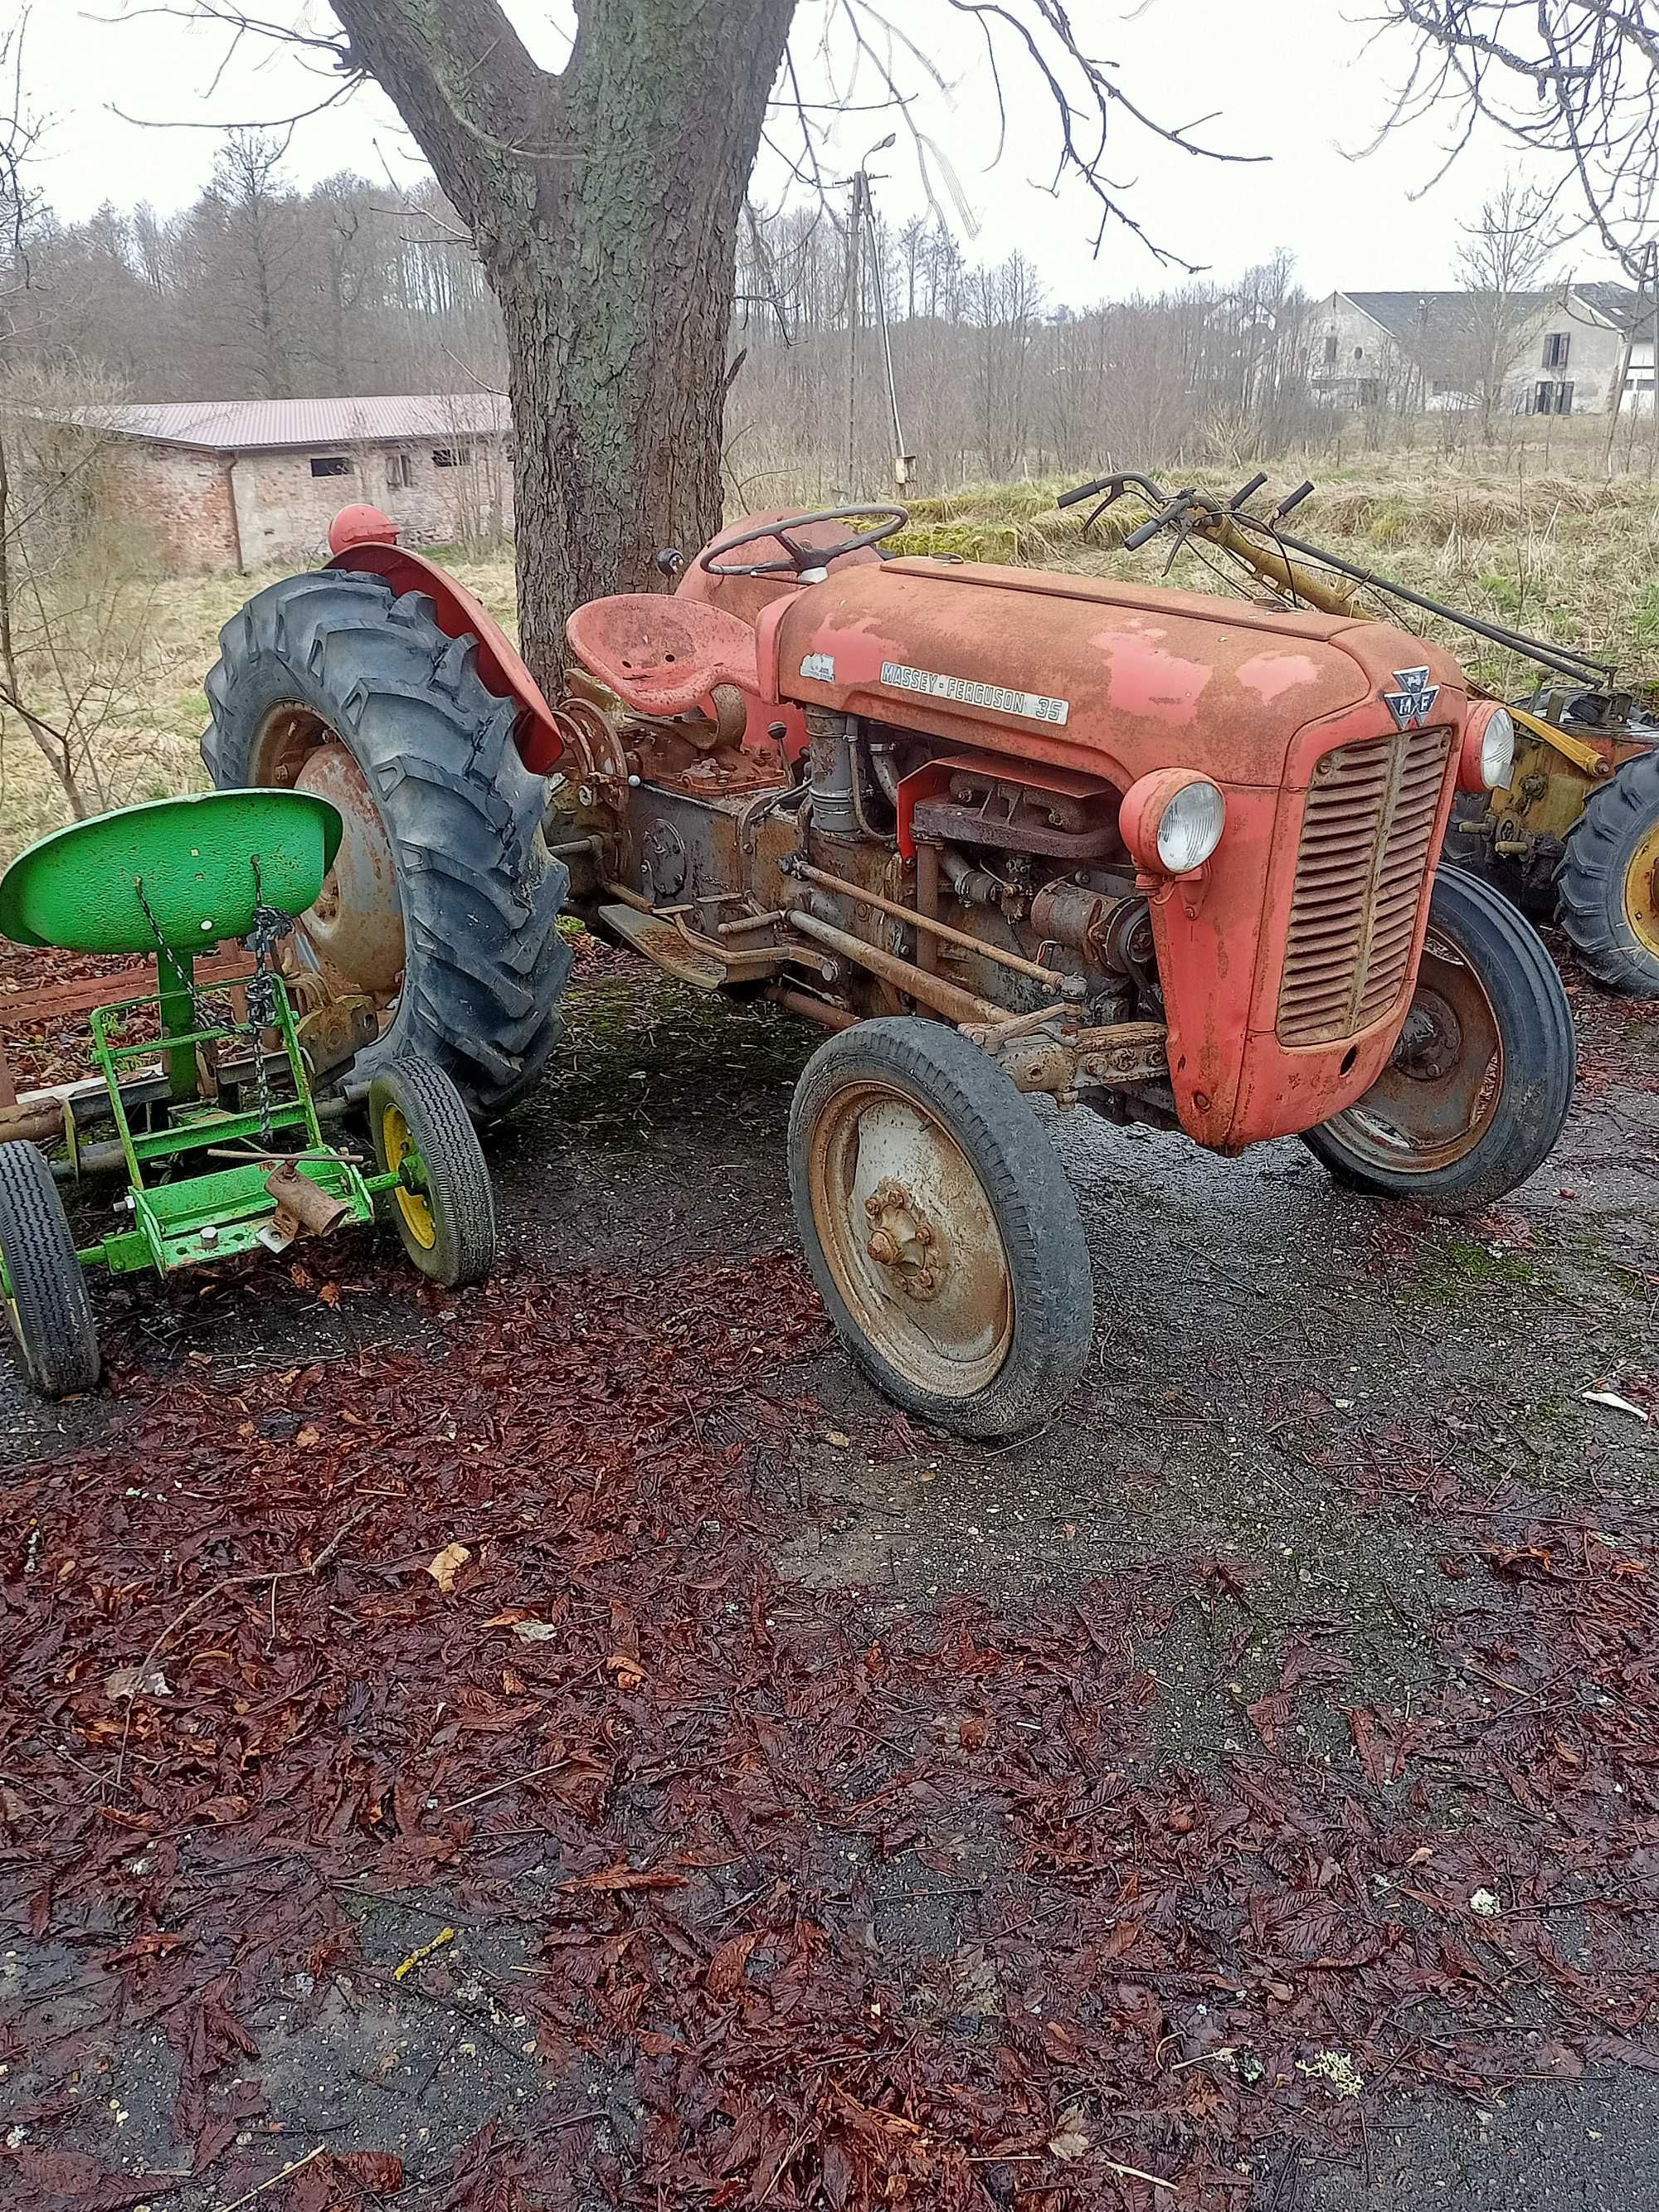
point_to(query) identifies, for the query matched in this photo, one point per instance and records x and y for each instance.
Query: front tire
(442, 908)
(1474, 1097)
(445, 1209)
(939, 1227)
(1608, 880)
(45, 1290)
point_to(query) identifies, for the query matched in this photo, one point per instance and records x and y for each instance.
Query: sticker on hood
(993, 695)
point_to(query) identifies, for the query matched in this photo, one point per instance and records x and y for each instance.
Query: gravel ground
(1271, 1351)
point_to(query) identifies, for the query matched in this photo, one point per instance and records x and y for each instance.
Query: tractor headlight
(1488, 757)
(1172, 821)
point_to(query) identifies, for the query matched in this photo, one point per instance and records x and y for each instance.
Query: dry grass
(1575, 558)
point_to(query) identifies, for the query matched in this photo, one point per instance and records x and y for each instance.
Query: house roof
(1614, 303)
(248, 426)
(1415, 318)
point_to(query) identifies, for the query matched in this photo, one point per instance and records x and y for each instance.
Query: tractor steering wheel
(802, 559)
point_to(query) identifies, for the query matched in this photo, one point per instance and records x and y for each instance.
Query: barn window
(1558, 344)
(451, 457)
(399, 472)
(1330, 349)
(330, 464)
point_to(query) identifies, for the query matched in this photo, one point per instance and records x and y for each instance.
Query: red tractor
(999, 832)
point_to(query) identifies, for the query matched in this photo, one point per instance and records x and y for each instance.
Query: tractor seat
(662, 654)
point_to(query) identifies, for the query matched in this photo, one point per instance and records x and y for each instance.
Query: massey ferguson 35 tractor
(999, 832)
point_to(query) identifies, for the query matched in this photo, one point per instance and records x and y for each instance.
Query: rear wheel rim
(353, 937)
(414, 1205)
(911, 1238)
(1438, 1097)
(1642, 892)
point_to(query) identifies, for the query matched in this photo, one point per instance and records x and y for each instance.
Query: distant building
(236, 483)
(1421, 351)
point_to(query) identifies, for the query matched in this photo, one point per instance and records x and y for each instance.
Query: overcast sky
(1295, 80)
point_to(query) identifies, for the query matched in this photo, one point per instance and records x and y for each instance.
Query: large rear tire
(939, 1226)
(1474, 1097)
(1608, 880)
(443, 907)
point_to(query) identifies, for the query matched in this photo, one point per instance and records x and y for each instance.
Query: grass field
(1572, 557)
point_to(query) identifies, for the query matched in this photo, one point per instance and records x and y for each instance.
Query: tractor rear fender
(364, 540)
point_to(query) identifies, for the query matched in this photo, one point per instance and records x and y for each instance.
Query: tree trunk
(604, 205)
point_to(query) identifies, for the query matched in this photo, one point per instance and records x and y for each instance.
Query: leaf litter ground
(437, 1723)
(814, 1899)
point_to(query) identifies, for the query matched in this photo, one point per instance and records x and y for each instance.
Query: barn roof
(1438, 316)
(261, 425)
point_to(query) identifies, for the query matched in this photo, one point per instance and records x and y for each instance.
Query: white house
(1416, 351)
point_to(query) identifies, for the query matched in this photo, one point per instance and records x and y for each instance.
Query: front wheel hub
(1430, 1039)
(904, 1241)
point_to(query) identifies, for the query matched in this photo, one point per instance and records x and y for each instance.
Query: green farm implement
(218, 1131)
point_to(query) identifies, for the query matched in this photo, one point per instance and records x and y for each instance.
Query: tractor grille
(1360, 874)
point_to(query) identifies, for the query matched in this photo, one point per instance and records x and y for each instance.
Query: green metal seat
(181, 874)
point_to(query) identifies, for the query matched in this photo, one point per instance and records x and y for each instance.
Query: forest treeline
(260, 290)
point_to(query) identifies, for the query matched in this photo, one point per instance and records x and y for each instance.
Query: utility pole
(861, 214)
(854, 316)
(1648, 290)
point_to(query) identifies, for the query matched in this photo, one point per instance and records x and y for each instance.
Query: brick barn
(239, 483)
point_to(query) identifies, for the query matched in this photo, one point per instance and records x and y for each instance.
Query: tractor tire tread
(1035, 1205)
(482, 895)
(1525, 989)
(55, 1330)
(1589, 882)
(460, 1192)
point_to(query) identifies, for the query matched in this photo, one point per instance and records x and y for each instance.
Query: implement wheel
(1474, 1097)
(443, 1205)
(45, 1286)
(442, 906)
(1608, 880)
(939, 1226)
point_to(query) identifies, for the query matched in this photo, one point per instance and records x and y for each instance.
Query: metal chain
(270, 926)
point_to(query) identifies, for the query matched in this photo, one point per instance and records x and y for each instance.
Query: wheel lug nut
(872, 1208)
(882, 1249)
(923, 1234)
(924, 1279)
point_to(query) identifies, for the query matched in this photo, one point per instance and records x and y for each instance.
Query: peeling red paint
(1143, 679)
(1271, 673)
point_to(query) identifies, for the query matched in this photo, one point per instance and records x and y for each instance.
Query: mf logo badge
(1413, 702)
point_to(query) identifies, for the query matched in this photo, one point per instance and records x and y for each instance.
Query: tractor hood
(1116, 679)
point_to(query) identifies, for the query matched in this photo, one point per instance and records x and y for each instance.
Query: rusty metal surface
(356, 926)
(1016, 963)
(661, 654)
(945, 998)
(457, 613)
(1436, 1098)
(1145, 678)
(300, 1202)
(911, 1238)
(1362, 876)
(988, 792)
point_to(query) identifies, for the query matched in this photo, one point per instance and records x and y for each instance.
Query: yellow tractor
(1575, 832)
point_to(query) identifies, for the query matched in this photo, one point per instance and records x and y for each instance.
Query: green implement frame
(169, 878)
(209, 1216)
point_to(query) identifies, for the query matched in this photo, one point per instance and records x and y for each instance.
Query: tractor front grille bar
(1361, 876)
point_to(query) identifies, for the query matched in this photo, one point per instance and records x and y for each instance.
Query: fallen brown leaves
(897, 1913)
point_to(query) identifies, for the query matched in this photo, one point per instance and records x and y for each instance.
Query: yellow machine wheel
(1608, 880)
(442, 1202)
